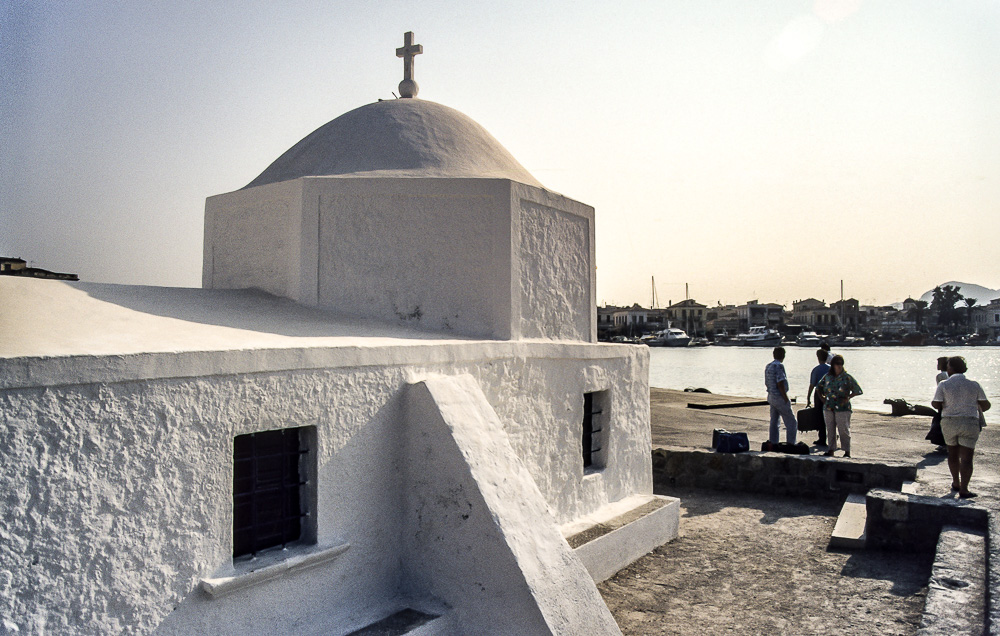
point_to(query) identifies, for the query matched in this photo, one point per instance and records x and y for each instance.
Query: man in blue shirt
(777, 396)
(817, 374)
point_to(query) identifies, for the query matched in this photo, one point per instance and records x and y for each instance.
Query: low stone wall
(900, 521)
(776, 473)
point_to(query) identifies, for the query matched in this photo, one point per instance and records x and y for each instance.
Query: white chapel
(385, 409)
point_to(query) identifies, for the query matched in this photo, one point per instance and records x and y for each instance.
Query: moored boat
(672, 337)
(760, 337)
(808, 339)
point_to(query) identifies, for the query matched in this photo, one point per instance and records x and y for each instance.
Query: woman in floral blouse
(837, 388)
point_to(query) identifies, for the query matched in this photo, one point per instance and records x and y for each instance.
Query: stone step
(407, 621)
(850, 529)
(909, 487)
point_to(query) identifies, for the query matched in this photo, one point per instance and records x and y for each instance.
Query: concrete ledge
(776, 473)
(900, 521)
(619, 533)
(956, 594)
(850, 529)
(221, 586)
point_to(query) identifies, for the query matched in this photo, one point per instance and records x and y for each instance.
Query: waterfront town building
(632, 319)
(722, 319)
(688, 315)
(985, 319)
(387, 400)
(755, 314)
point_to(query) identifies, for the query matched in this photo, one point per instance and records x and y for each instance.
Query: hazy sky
(761, 149)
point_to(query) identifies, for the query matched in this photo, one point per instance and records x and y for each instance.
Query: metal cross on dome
(408, 87)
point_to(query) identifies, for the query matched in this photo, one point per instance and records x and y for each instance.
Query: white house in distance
(386, 406)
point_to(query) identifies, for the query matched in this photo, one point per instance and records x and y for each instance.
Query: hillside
(980, 293)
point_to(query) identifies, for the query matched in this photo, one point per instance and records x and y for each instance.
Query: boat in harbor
(760, 337)
(671, 337)
(808, 339)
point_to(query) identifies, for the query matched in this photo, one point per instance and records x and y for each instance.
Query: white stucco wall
(478, 257)
(555, 269)
(253, 239)
(431, 252)
(117, 479)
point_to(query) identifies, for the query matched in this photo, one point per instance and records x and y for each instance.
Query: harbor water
(882, 372)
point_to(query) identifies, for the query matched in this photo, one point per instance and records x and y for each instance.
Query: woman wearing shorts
(960, 401)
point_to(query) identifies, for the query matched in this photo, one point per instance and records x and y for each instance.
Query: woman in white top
(942, 369)
(960, 401)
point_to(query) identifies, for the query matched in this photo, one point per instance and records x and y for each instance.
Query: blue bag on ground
(733, 443)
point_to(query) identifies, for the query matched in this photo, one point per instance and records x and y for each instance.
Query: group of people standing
(960, 403)
(833, 388)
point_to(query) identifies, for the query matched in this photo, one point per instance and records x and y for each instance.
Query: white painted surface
(609, 553)
(119, 405)
(117, 476)
(398, 138)
(486, 258)
(481, 537)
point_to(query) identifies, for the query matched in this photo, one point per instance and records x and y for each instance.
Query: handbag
(935, 436)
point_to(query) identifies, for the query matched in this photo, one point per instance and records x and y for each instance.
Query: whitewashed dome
(398, 138)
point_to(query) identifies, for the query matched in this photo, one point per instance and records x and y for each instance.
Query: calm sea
(882, 372)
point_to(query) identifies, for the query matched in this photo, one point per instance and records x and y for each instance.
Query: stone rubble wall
(775, 473)
(901, 521)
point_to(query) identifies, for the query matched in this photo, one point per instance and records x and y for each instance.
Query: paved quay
(874, 437)
(752, 563)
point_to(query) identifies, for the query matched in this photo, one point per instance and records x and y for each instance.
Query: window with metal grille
(270, 502)
(594, 430)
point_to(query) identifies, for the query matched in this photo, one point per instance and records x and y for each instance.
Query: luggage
(935, 436)
(732, 443)
(794, 449)
(715, 436)
(800, 448)
(810, 419)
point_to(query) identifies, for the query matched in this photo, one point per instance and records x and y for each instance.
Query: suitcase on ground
(810, 419)
(793, 449)
(715, 436)
(733, 443)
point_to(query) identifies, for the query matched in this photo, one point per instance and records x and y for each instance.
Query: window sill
(221, 586)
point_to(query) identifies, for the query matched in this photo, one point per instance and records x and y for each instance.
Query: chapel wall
(434, 253)
(555, 266)
(253, 239)
(123, 497)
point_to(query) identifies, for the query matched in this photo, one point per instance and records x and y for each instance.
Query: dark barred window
(595, 407)
(270, 504)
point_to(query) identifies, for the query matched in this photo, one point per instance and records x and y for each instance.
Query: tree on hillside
(969, 304)
(945, 299)
(917, 313)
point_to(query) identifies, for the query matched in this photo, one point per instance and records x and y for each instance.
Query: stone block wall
(900, 521)
(775, 473)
